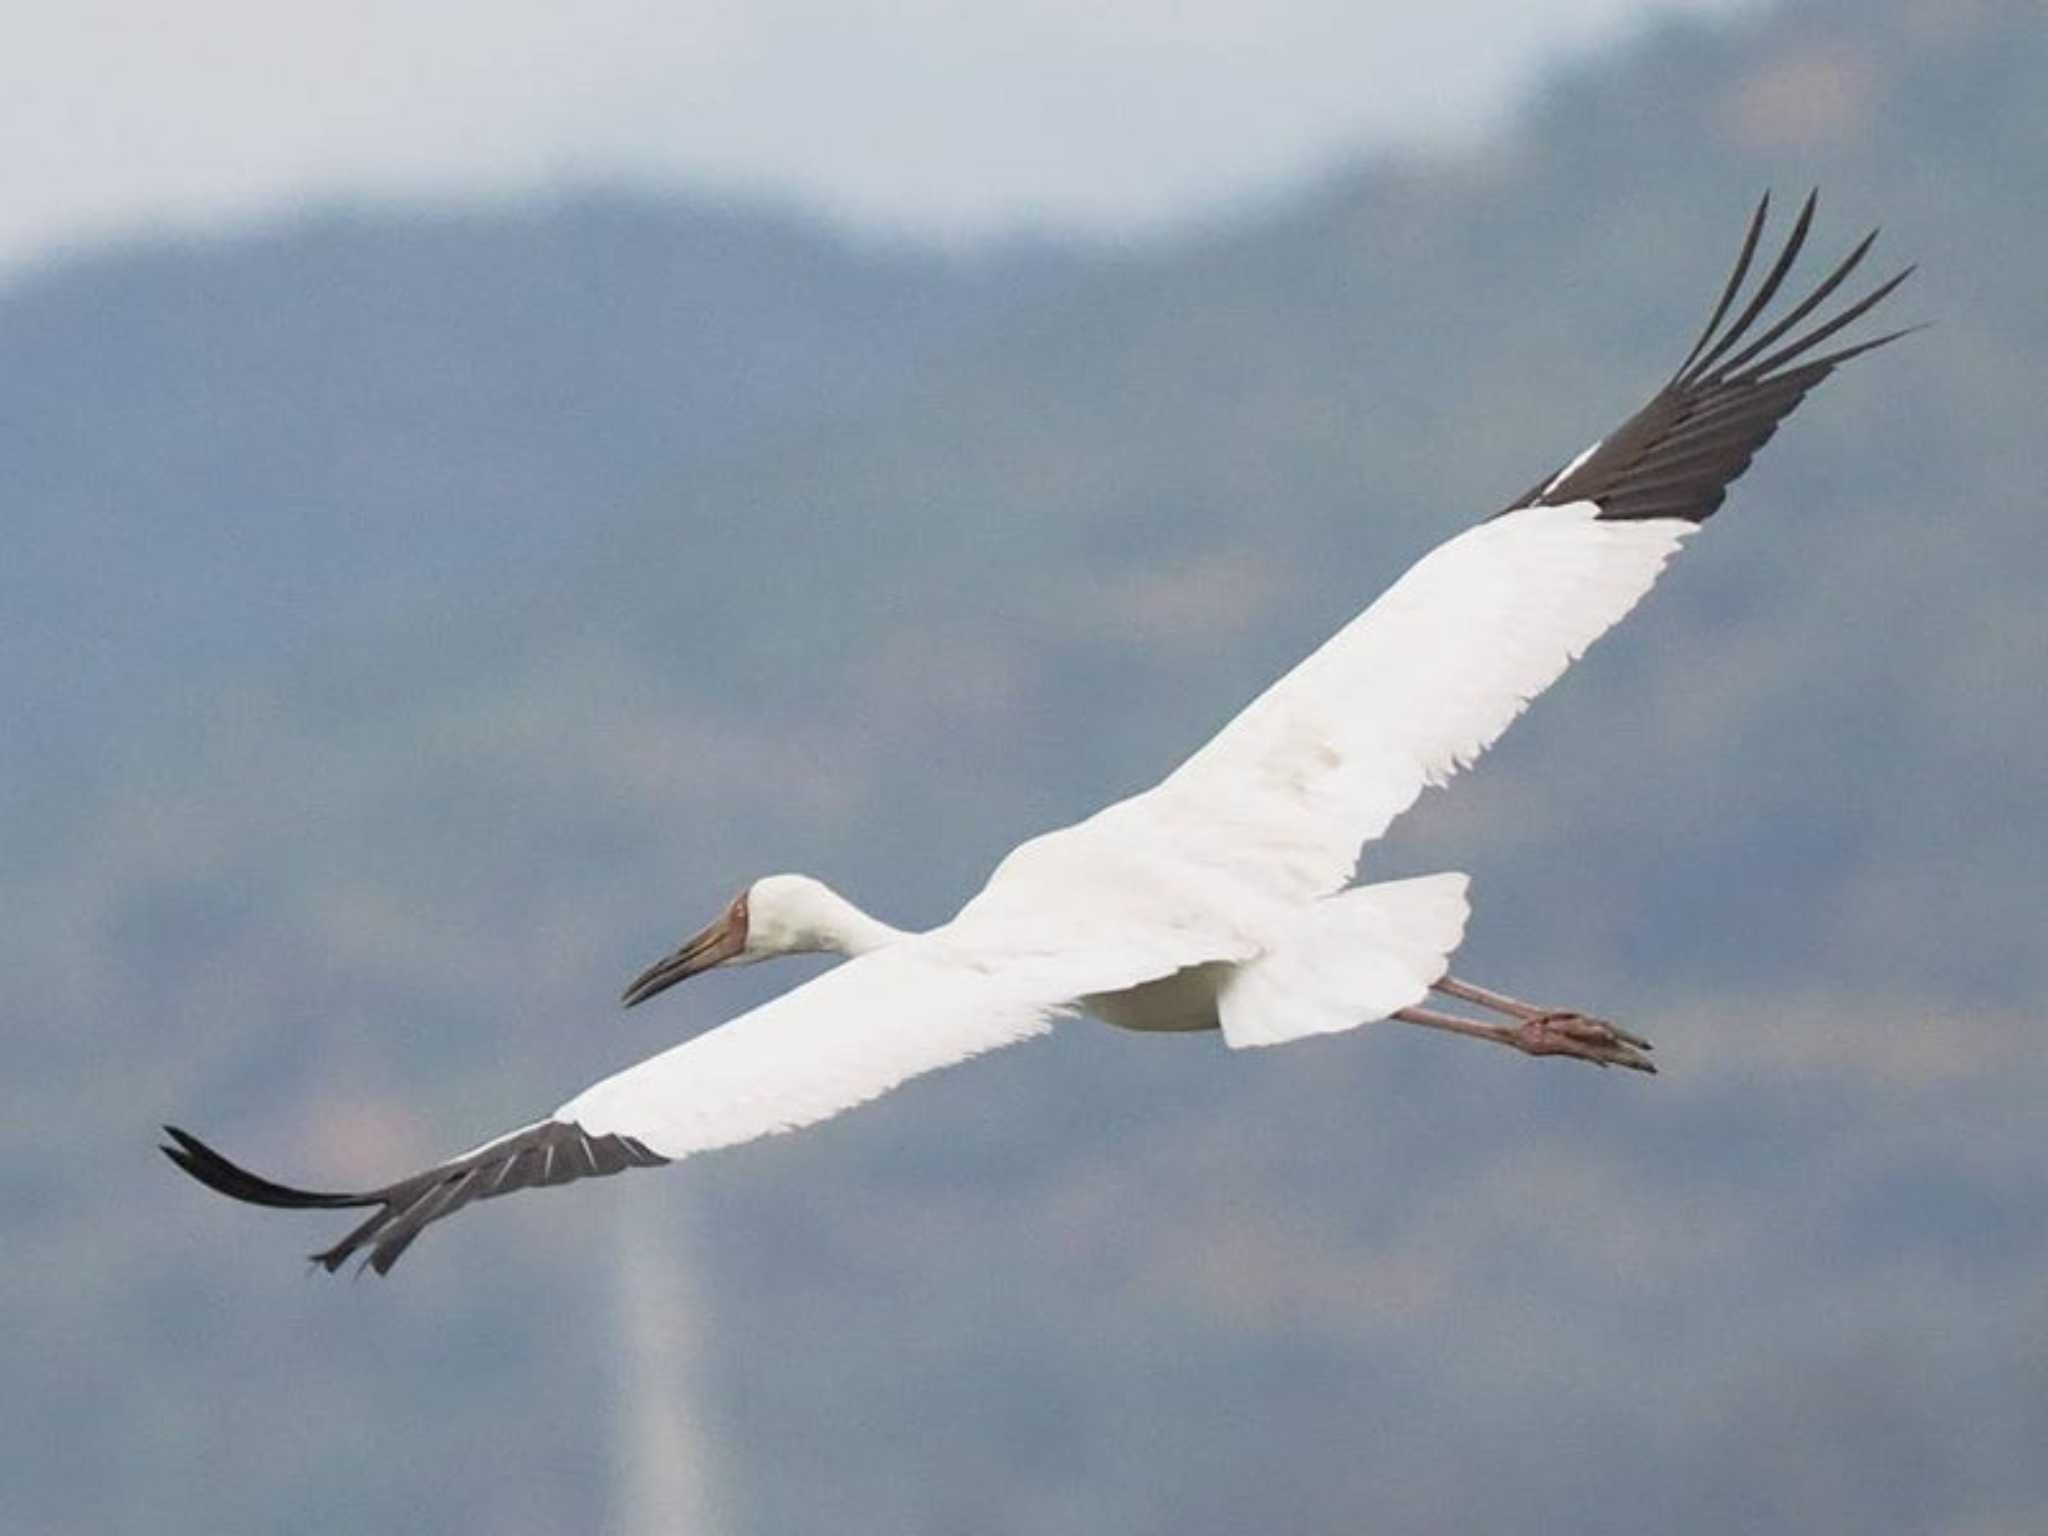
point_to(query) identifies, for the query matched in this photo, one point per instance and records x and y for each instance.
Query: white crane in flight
(1221, 898)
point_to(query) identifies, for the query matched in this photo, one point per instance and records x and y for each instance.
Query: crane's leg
(1515, 1008)
(1537, 1031)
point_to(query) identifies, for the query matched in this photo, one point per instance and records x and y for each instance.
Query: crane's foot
(1584, 1038)
(1552, 1031)
(1546, 1032)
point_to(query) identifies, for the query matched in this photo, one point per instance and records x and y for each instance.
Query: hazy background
(943, 120)
(749, 443)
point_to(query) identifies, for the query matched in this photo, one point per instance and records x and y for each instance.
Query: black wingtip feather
(1760, 373)
(1734, 286)
(199, 1160)
(550, 1152)
(1805, 307)
(1768, 288)
(1677, 456)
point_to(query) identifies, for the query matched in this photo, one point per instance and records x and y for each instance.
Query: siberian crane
(1223, 897)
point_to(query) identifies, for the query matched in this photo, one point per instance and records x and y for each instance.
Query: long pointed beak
(712, 945)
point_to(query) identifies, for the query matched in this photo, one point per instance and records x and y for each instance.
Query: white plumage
(1219, 897)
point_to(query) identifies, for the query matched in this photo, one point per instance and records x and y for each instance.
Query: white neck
(794, 914)
(851, 931)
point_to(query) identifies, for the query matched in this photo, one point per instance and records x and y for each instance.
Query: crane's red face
(722, 940)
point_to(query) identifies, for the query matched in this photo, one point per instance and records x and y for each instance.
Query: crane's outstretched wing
(839, 1040)
(1427, 678)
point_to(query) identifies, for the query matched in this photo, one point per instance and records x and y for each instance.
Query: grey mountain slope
(217, 450)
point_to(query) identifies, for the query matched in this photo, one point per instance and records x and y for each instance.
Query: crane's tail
(1358, 956)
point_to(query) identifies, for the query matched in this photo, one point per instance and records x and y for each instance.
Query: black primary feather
(1678, 455)
(550, 1152)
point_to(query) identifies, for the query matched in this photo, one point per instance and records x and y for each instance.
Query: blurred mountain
(222, 449)
(415, 623)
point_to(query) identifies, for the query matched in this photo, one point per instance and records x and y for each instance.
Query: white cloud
(943, 118)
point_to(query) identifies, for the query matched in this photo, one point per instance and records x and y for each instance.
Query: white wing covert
(1410, 691)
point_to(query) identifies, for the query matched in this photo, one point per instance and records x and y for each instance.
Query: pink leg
(1539, 1032)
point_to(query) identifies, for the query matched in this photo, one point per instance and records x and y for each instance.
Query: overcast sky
(946, 119)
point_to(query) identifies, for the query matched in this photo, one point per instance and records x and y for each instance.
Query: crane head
(722, 941)
(776, 915)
